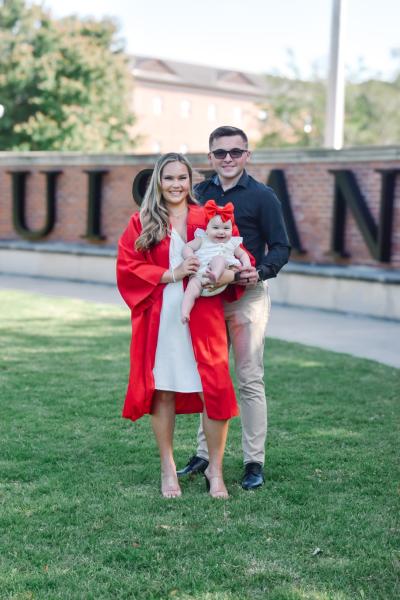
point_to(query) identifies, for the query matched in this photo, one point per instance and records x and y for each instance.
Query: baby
(216, 250)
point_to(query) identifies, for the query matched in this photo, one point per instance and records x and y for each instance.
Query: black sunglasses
(234, 153)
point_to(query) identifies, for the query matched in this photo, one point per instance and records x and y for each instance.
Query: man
(259, 218)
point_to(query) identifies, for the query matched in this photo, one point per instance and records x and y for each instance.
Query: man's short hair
(227, 130)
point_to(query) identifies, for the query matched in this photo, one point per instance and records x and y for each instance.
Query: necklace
(174, 215)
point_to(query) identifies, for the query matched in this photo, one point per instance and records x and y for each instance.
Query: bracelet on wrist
(173, 275)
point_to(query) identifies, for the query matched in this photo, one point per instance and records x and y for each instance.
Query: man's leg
(202, 449)
(247, 320)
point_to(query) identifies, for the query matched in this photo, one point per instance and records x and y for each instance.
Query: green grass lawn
(81, 512)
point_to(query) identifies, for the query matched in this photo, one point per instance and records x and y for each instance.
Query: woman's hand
(188, 267)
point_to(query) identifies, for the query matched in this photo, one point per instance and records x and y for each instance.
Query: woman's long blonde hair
(153, 212)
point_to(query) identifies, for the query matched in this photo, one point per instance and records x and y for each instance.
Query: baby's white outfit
(209, 249)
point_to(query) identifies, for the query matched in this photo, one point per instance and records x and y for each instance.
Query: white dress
(175, 368)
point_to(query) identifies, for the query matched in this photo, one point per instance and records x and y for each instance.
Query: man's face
(229, 168)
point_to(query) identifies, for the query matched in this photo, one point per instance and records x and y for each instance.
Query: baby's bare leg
(192, 292)
(216, 267)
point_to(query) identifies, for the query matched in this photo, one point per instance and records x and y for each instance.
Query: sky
(261, 36)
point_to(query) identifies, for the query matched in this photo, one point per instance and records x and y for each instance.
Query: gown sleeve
(138, 277)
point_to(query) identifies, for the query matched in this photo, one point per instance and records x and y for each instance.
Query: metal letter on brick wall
(140, 184)
(277, 181)
(19, 204)
(378, 237)
(93, 224)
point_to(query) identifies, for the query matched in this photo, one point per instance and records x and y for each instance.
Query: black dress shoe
(253, 476)
(195, 465)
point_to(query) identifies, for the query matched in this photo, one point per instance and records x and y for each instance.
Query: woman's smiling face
(175, 183)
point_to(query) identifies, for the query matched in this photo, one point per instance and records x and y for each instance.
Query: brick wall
(310, 186)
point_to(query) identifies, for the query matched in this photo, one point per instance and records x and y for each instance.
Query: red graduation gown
(138, 276)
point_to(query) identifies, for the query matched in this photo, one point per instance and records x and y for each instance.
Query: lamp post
(336, 79)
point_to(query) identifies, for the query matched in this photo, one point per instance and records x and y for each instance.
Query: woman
(175, 367)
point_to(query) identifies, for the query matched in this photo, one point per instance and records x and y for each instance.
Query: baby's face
(219, 231)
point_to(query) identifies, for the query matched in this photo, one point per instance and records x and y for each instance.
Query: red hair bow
(225, 212)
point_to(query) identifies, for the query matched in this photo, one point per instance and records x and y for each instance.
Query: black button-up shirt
(258, 215)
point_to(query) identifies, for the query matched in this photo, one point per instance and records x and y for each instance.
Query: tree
(372, 113)
(65, 83)
(296, 111)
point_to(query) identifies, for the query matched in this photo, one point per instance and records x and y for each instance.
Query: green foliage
(81, 514)
(371, 113)
(65, 84)
(294, 105)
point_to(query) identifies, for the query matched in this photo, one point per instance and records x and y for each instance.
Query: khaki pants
(246, 321)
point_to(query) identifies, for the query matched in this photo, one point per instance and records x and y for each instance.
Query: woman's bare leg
(216, 432)
(192, 292)
(163, 423)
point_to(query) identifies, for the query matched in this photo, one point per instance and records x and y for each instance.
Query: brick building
(176, 104)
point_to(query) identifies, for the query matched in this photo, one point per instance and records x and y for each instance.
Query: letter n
(19, 204)
(378, 237)
(277, 181)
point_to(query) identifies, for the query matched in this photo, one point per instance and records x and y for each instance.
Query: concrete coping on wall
(272, 156)
(355, 272)
(59, 248)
